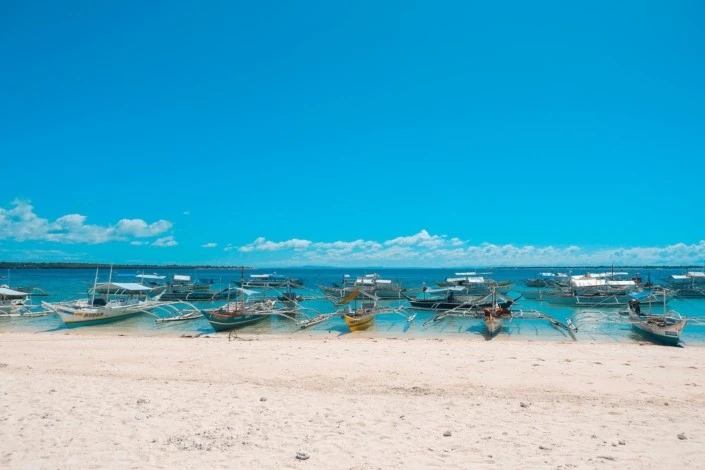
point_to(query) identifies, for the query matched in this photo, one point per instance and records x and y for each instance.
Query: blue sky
(353, 133)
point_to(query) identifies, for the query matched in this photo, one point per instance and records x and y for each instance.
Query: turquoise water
(66, 284)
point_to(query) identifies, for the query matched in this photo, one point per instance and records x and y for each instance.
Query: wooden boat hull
(194, 295)
(225, 321)
(356, 323)
(658, 331)
(493, 325)
(270, 283)
(84, 317)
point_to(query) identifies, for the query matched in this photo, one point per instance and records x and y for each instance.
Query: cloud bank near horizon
(425, 249)
(20, 223)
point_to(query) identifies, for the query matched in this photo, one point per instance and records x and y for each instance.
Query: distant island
(63, 265)
(66, 265)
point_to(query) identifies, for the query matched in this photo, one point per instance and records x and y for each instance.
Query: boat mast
(110, 279)
(95, 282)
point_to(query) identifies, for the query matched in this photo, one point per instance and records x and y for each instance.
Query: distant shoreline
(59, 265)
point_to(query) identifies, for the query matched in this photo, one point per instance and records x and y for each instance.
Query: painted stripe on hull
(233, 323)
(70, 319)
(669, 340)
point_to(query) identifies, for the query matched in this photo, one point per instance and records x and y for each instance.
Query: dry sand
(89, 401)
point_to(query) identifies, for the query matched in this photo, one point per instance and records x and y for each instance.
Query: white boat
(371, 284)
(663, 329)
(475, 285)
(547, 279)
(690, 284)
(270, 281)
(107, 302)
(12, 301)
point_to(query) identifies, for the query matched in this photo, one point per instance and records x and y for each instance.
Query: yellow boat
(359, 320)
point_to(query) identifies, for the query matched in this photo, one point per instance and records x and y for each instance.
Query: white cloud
(138, 243)
(425, 249)
(262, 244)
(209, 245)
(423, 238)
(229, 247)
(165, 241)
(139, 228)
(20, 223)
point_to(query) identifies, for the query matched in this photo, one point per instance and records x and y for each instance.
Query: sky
(356, 133)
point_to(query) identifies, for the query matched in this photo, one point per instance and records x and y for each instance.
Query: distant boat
(269, 280)
(447, 298)
(475, 285)
(182, 287)
(548, 279)
(690, 284)
(383, 289)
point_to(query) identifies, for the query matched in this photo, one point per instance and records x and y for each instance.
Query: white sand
(70, 401)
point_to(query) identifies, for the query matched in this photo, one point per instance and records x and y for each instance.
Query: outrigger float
(494, 309)
(659, 328)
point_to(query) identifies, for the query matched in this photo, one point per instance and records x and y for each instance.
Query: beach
(356, 401)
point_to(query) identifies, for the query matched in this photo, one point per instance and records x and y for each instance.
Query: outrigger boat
(383, 289)
(269, 281)
(15, 303)
(446, 298)
(664, 329)
(475, 285)
(108, 302)
(690, 284)
(182, 287)
(248, 310)
(361, 315)
(494, 313)
(548, 279)
(239, 313)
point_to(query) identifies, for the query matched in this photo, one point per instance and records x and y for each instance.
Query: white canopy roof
(123, 287)
(695, 274)
(7, 292)
(181, 277)
(474, 280)
(247, 291)
(150, 276)
(587, 282)
(445, 289)
(621, 283)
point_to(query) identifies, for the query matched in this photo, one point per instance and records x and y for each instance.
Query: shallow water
(65, 284)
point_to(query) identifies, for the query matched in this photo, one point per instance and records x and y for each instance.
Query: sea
(596, 325)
